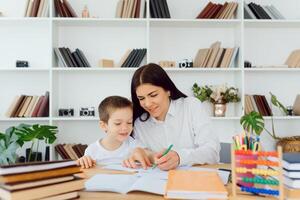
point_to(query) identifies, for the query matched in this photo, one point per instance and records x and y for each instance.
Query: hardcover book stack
(64, 9)
(159, 9)
(133, 58)
(70, 151)
(256, 11)
(41, 180)
(257, 103)
(294, 59)
(29, 106)
(218, 11)
(216, 56)
(66, 58)
(131, 9)
(291, 170)
(37, 8)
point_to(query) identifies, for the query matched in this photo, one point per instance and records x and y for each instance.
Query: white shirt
(187, 126)
(105, 157)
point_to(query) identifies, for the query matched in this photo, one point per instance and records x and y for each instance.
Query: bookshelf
(33, 39)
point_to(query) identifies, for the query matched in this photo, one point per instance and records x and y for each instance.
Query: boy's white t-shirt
(105, 157)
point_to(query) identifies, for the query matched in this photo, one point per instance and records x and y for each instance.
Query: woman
(162, 116)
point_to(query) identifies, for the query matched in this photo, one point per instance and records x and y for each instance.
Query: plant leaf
(253, 122)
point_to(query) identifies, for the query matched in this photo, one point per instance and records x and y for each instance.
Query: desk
(142, 195)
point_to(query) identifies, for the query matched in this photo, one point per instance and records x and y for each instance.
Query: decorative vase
(219, 108)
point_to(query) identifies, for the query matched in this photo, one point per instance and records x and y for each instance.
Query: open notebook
(123, 183)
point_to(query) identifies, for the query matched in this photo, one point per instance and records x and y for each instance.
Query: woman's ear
(169, 93)
(103, 126)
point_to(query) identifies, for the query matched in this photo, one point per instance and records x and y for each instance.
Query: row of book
(37, 8)
(294, 59)
(215, 56)
(29, 106)
(70, 151)
(256, 11)
(257, 103)
(133, 58)
(64, 9)
(131, 9)
(52, 180)
(66, 58)
(159, 9)
(218, 11)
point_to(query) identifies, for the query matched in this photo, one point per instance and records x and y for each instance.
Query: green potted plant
(15, 137)
(253, 123)
(34, 134)
(219, 95)
(8, 146)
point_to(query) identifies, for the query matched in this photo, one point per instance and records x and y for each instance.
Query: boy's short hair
(110, 104)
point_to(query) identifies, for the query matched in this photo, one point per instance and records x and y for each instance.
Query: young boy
(115, 114)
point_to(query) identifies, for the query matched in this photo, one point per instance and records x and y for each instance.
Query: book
(292, 182)
(291, 173)
(43, 191)
(12, 106)
(39, 175)
(31, 184)
(34, 166)
(291, 161)
(184, 184)
(37, 106)
(69, 195)
(44, 107)
(124, 183)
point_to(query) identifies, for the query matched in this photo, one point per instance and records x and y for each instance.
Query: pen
(165, 153)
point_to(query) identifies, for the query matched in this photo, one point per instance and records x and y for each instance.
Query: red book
(44, 108)
(37, 107)
(205, 10)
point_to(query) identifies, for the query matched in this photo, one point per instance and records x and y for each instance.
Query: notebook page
(120, 183)
(149, 184)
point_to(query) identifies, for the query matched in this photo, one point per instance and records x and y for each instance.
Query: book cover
(291, 161)
(185, 184)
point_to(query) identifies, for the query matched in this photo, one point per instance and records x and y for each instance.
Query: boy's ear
(103, 126)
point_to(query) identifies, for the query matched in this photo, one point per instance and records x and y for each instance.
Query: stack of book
(70, 151)
(257, 103)
(215, 56)
(294, 59)
(29, 106)
(159, 9)
(219, 11)
(64, 9)
(37, 8)
(256, 11)
(131, 9)
(291, 170)
(66, 58)
(133, 58)
(40, 180)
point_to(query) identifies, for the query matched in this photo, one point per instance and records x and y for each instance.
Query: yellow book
(184, 184)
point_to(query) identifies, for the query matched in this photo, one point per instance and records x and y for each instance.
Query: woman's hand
(139, 155)
(86, 162)
(168, 161)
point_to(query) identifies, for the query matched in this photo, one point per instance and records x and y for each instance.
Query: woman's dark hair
(154, 75)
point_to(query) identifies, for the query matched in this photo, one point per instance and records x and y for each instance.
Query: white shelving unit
(33, 39)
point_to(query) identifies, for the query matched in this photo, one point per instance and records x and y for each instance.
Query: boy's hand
(139, 155)
(168, 161)
(86, 162)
